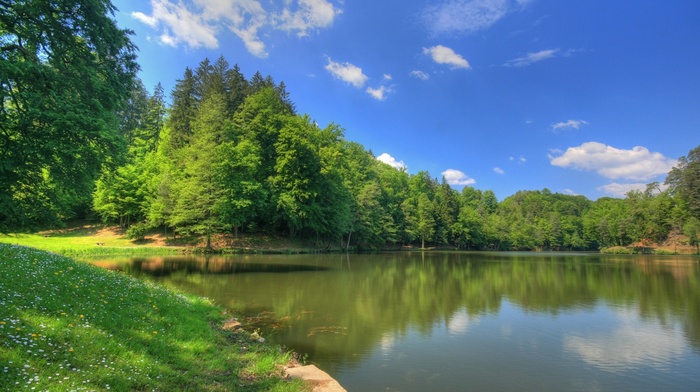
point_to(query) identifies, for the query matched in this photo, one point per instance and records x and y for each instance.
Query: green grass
(83, 243)
(66, 325)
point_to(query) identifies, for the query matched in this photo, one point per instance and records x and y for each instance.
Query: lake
(456, 321)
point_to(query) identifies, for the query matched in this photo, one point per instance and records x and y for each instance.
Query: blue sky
(588, 97)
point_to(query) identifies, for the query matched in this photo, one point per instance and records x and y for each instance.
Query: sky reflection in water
(461, 321)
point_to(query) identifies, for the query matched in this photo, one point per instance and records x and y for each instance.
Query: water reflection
(380, 316)
(165, 266)
(629, 344)
(460, 321)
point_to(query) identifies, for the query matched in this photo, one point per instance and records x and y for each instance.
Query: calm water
(465, 321)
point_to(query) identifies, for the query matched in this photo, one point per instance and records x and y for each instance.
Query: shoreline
(85, 239)
(67, 324)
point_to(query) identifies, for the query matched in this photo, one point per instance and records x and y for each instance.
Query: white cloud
(380, 92)
(167, 39)
(391, 161)
(250, 39)
(141, 17)
(444, 55)
(420, 74)
(347, 72)
(467, 16)
(637, 164)
(570, 192)
(179, 25)
(197, 23)
(532, 57)
(498, 170)
(621, 190)
(456, 177)
(571, 124)
(388, 77)
(310, 14)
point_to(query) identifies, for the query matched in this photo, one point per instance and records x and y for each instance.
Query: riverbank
(84, 240)
(70, 325)
(88, 239)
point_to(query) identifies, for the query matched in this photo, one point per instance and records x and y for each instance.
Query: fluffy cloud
(249, 36)
(347, 72)
(498, 170)
(143, 18)
(196, 23)
(310, 14)
(571, 124)
(620, 190)
(444, 55)
(532, 57)
(637, 164)
(391, 161)
(456, 177)
(379, 93)
(467, 16)
(179, 25)
(420, 75)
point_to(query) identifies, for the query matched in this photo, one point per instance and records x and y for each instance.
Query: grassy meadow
(84, 240)
(66, 325)
(89, 240)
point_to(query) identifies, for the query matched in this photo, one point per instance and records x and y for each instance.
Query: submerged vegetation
(71, 326)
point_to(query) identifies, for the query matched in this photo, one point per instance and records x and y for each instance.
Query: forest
(82, 138)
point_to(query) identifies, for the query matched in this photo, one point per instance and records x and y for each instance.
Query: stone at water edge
(319, 380)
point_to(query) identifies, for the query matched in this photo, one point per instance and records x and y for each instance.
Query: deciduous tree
(65, 71)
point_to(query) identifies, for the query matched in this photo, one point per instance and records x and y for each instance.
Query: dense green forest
(82, 137)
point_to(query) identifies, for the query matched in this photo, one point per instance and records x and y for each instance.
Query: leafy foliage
(684, 181)
(232, 154)
(65, 71)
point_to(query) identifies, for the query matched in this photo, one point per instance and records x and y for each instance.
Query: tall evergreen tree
(237, 87)
(183, 109)
(131, 116)
(426, 219)
(200, 193)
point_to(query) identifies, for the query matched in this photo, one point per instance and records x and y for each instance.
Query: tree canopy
(66, 69)
(230, 154)
(235, 156)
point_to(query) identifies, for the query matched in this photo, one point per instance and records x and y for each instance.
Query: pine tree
(183, 109)
(199, 192)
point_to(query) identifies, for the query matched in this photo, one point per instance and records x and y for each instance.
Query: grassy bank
(84, 240)
(66, 325)
(89, 240)
(632, 250)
